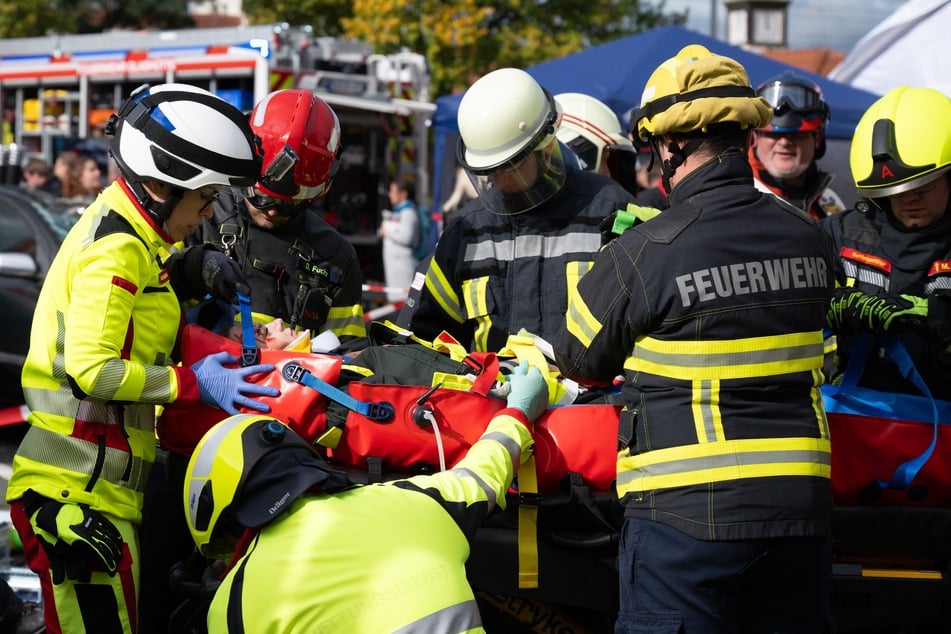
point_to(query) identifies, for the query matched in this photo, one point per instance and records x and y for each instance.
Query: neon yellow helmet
(245, 472)
(694, 90)
(903, 141)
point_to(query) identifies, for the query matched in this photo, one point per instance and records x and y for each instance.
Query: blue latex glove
(225, 387)
(528, 392)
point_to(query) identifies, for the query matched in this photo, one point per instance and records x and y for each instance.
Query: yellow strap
(528, 525)
(330, 438)
(452, 381)
(524, 349)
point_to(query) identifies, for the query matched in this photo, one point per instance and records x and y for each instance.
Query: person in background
(784, 152)
(61, 168)
(84, 181)
(400, 232)
(323, 555)
(593, 132)
(36, 173)
(462, 193)
(724, 455)
(894, 247)
(101, 352)
(510, 258)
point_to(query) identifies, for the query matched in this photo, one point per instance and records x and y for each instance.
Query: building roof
(819, 60)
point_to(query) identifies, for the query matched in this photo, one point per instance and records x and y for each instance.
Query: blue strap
(906, 472)
(250, 355)
(380, 412)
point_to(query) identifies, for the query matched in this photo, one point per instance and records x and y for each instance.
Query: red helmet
(300, 138)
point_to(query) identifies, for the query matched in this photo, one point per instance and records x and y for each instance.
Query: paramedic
(784, 152)
(713, 313)
(509, 259)
(894, 247)
(365, 559)
(100, 357)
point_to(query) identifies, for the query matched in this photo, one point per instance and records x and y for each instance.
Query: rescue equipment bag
(887, 448)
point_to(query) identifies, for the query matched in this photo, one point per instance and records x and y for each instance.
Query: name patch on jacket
(745, 278)
(867, 259)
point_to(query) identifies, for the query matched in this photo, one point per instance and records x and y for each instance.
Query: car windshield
(57, 214)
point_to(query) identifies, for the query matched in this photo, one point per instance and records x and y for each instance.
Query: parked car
(31, 229)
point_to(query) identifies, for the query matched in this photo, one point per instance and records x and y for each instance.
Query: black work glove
(878, 313)
(222, 276)
(203, 270)
(195, 577)
(74, 537)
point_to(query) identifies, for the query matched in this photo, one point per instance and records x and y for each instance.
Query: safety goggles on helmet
(795, 97)
(264, 202)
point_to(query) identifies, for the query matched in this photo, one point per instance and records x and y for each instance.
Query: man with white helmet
(509, 259)
(100, 358)
(593, 132)
(713, 311)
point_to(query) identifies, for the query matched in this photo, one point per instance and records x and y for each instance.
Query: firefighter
(299, 268)
(713, 313)
(894, 247)
(593, 132)
(327, 556)
(509, 259)
(785, 151)
(101, 348)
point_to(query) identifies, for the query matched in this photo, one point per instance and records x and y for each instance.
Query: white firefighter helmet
(507, 143)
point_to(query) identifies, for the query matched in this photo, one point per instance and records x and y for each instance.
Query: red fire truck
(58, 91)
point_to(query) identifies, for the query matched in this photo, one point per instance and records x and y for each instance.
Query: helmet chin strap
(678, 155)
(160, 211)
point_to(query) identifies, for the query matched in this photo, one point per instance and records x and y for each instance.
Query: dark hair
(718, 137)
(407, 183)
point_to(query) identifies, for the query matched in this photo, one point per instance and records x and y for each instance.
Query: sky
(837, 24)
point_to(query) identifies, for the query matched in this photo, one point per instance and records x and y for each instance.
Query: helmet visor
(795, 97)
(263, 202)
(523, 183)
(588, 153)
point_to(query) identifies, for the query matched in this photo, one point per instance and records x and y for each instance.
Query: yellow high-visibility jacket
(105, 326)
(380, 558)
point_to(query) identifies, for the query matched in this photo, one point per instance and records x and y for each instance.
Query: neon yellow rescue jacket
(105, 326)
(380, 558)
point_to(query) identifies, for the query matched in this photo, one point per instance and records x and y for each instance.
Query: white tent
(911, 47)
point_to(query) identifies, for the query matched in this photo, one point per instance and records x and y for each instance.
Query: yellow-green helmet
(694, 90)
(246, 471)
(903, 141)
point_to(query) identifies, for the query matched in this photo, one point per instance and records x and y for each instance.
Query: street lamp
(757, 22)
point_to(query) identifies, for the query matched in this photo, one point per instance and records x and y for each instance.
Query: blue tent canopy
(616, 72)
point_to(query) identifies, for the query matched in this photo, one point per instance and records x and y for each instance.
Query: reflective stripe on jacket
(105, 325)
(492, 275)
(713, 311)
(374, 559)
